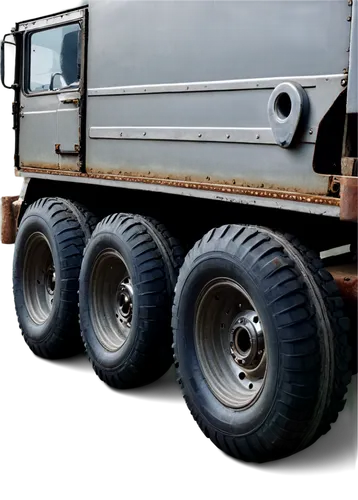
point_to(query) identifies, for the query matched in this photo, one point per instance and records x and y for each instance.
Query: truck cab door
(52, 92)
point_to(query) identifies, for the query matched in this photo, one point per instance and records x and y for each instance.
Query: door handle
(73, 100)
(60, 151)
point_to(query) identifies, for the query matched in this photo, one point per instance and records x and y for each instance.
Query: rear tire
(47, 261)
(272, 389)
(126, 287)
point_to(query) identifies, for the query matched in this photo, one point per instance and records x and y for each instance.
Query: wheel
(260, 342)
(126, 288)
(47, 261)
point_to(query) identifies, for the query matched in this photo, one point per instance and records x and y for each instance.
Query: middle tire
(127, 282)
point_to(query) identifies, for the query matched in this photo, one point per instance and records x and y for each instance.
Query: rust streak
(245, 183)
(64, 168)
(206, 186)
(40, 166)
(10, 209)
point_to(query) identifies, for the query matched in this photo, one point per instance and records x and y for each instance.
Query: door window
(55, 59)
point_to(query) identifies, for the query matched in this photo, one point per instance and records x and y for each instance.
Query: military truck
(187, 167)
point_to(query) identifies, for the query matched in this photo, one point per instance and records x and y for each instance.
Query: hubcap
(39, 278)
(230, 343)
(111, 293)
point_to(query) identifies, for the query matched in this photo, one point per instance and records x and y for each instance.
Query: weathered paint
(70, 164)
(157, 176)
(159, 76)
(177, 70)
(346, 277)
(206, 186)
(10, 209)
(49, 118)
(349, 198)
(348, 165)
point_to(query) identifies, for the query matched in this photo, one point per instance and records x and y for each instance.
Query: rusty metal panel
(206, 117)
(247, 165)
(319, 205)
(346, 277)
(10, 209)
(349, 198)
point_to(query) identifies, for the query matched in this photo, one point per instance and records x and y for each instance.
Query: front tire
(47, 261)
(260, 342)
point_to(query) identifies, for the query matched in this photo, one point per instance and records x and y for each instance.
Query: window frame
(27, 60)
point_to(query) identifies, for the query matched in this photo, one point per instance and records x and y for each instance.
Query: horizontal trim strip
(198, 134)
(44, 22)
(296, 202)
(54, 111)
(213, 86)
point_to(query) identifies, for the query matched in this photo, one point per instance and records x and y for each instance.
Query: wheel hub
(125, 302)
(246, 340)
(50, 280)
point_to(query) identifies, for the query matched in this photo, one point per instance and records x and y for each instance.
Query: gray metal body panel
(352, 101)
(38, 130)
(179, 89)
(136, 42)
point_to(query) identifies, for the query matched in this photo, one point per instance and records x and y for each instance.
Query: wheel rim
(111, 292)
(230, 343)
(39, 278)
